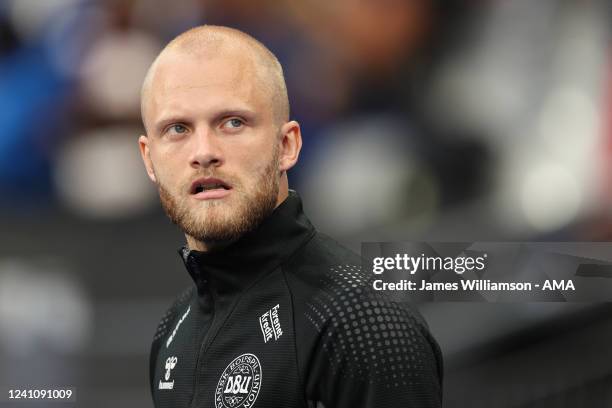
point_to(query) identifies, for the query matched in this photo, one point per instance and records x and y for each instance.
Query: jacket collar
(235, 267)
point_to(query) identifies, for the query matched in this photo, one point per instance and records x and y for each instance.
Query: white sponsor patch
(270, 324)
(240, 383)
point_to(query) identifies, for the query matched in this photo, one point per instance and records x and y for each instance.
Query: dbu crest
(240, 383)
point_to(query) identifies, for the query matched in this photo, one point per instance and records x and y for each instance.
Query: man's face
(213, 145)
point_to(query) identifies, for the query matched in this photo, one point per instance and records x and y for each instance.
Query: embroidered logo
(177, 327)
(240, 383)
(270, 324)
(170, 364)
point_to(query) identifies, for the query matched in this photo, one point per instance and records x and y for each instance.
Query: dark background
(430, 120)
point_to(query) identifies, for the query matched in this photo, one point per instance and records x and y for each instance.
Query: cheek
(166, 169)
(256, 164)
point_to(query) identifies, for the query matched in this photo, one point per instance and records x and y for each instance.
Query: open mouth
(208, 184)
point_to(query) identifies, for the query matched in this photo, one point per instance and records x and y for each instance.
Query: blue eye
(178, 128)
(233, 123)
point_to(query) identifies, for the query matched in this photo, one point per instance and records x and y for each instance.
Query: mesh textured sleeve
(371, 351)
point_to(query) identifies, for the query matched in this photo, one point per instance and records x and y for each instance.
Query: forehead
(205, 82)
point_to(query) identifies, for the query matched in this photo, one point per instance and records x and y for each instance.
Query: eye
(177, 128)
(233, 123)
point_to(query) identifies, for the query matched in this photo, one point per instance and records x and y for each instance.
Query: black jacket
(284, 317)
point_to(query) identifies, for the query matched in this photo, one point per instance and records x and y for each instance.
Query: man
(279, 315)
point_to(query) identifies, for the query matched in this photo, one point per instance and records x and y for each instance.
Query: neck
(205, 246)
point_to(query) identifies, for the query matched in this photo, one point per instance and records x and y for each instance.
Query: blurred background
(431, 120)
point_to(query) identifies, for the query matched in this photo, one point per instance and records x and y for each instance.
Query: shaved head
(208, 42)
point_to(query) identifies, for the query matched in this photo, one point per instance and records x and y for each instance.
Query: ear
(290, 145)
(145, 153)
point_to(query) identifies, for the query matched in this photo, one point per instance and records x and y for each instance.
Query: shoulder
(170, 315)
(322, 249)
(345, 302)
(317, 257)
(366, 335)
(164, 326)
(353, 342)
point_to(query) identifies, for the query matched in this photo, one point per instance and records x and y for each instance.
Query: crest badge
(240, 383)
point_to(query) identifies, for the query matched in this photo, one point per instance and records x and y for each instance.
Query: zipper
(205, 344)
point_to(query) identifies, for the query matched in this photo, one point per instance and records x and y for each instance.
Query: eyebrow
(174, 118)
(246, 113)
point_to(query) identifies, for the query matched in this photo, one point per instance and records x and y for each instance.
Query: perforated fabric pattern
(164, 326)
(170, 315)
(370, 339)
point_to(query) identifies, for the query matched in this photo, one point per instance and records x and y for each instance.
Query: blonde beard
(218, 221)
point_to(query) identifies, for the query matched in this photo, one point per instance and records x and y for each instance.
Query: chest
(240, 353)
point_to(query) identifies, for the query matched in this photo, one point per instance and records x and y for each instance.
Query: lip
(210, 194)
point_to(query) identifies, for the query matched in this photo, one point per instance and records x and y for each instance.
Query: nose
(206, 150)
